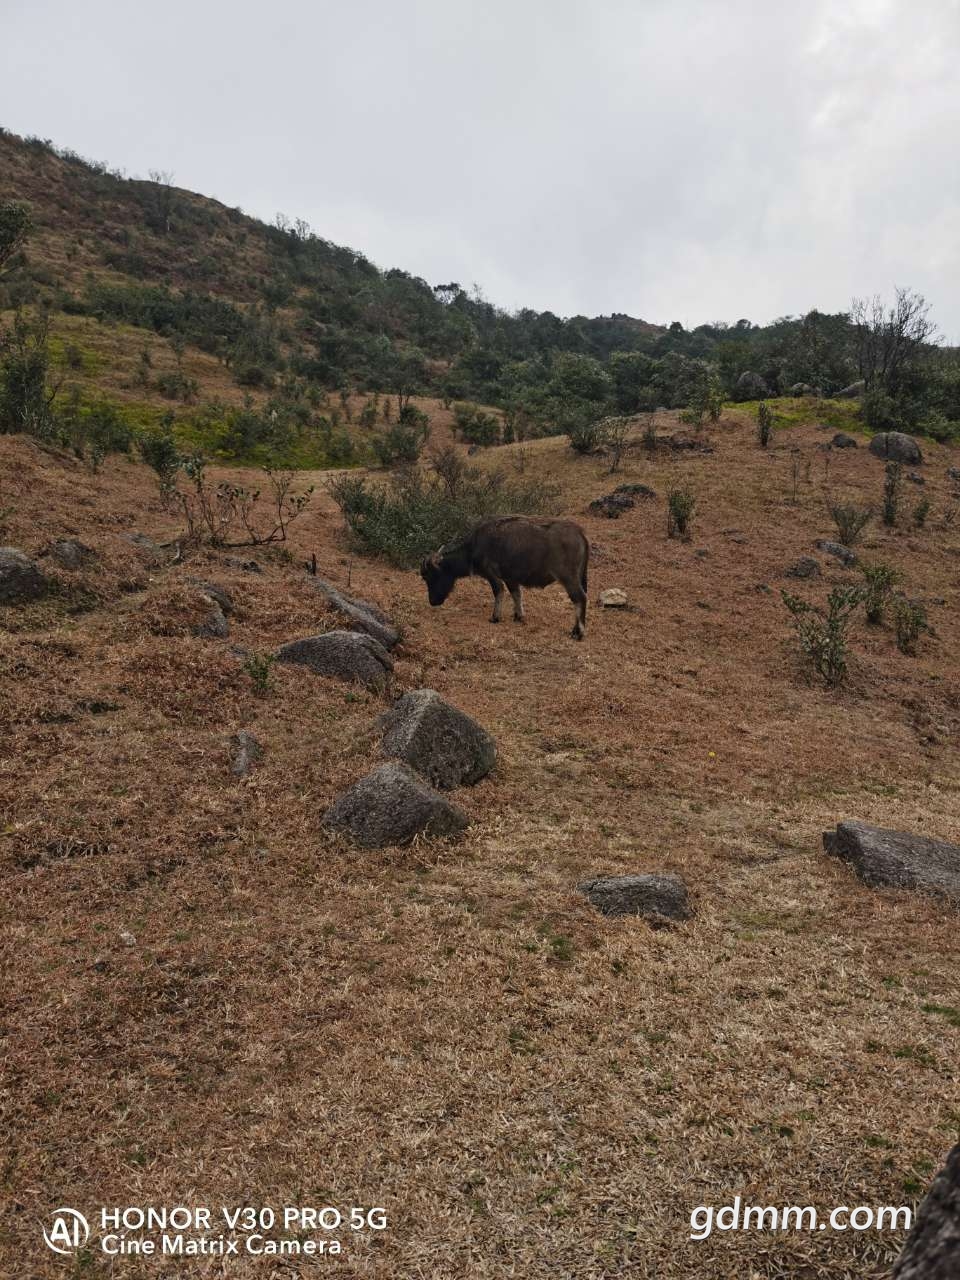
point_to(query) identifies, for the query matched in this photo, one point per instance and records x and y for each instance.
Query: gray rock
(346, 655)
(896, 858)
(953, 473)
(839, 552)
(750, 386)
(68, 553)
(439, 741)
(842, 441)
(894, 446)
(805, 567)
(658, 897)
(215, 625)
(932, 1249)
(854, 390)
(20, 577)
(802, 389)
(248, 566)
(246, 752)
(916, 478)
(365, 617)
(636, 490)
(393, 805)
(612, 505)
(156, 552)
(217, 593)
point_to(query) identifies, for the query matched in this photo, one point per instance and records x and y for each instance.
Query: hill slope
(216, 1002)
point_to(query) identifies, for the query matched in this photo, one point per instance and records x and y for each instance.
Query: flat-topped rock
(897, 859)
(658, 897)
(345, 655)
(365, 617)
(393, 805)
(441, 742)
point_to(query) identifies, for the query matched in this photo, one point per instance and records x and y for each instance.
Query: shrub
(764, 424)
(258, 667)
(26, 398)
(475, 426)
(822, 634)
(850, 520)
(680, 507)
(892, 485)
(413, 513)
(159, 451)
(920, 513)
(909, 620)
(586, 435)
(404, 442)
(228, 515)
(880, 581)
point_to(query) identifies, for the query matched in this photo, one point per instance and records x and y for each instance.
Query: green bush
(404, 442)
(680, 508)
(909, 620)
(822, 633)
(414, 512)
(586, 435)
(892, 485)
(474, 426)
(920, 512)
(880, 581)
(850, 520)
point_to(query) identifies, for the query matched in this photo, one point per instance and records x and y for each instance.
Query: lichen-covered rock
(365, 617)
(613, 598)
(441, 742)
(895, 446)
(393, 805)
(897, 859)
(658, 897)
(839, 552)
(805, 567)
(345, 655)
(68, 553)
(246, 751)
(20, 578)
(932, 1249)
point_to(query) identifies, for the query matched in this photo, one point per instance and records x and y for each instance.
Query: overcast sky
(689, 160)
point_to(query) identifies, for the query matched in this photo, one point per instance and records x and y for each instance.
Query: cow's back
(529, 550)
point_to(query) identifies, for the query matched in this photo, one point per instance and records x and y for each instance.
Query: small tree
(822, 633)
(880, 581)
(892, 485)
(15, 226)
(680, 508)
(26, 395)
(617, 440)
(764, 424)
(850, 520)
(909, 620)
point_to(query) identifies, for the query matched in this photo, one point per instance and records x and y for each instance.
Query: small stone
(842, 441)
(246, 752)
(915, 478)
(658, 897)
(613, 598)
(212, 589)
(839, 552)
(127, 938)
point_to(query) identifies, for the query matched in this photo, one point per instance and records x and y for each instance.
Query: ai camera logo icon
(68, 1232)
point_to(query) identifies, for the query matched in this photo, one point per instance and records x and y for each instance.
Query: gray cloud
(676, 159)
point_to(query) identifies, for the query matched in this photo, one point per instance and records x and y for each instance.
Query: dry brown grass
(449, 1030)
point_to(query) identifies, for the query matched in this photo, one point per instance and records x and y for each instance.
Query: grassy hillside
(213, 998)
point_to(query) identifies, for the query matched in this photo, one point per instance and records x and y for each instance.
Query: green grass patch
(794, 411)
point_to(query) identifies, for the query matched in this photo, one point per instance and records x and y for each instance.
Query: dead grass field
(450, 1031)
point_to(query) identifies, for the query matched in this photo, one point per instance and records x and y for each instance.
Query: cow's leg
(496, 586)
(577, 591)
(517, 597)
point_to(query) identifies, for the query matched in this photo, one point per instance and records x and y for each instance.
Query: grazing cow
(515, 552)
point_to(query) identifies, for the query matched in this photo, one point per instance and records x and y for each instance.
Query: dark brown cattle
(515, 552)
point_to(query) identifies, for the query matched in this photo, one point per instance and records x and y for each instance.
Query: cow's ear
(434, 560)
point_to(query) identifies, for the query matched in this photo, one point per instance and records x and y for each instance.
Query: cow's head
(438, 576)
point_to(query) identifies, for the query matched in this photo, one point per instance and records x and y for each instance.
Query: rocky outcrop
(344, 655)
(246, 750)
(897, 859)
(393, 805)
(657, 897)
(439, 741)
